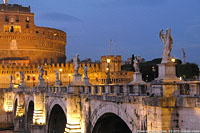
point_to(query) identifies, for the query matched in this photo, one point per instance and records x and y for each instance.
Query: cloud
(59, 17)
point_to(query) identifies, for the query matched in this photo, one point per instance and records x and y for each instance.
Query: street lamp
(33, 80)
(153, 69)
(69, 77)
(108, 71)
(173, 59)
(60, 70)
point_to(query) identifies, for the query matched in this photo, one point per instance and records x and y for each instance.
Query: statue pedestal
(137, 78)
(58, 82)
(77, 79)
(86, 81)
(167, 71)
(41, 82)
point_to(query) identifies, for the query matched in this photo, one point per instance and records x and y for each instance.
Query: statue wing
(170, 42)
(161, 34)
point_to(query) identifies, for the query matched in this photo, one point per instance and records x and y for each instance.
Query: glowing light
(47, 77)
(16, 86)
(180, 78)
(60, 69)
(69, 74)
(108, 60)
(173, 59)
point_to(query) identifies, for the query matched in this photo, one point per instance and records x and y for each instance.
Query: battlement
(14, 7)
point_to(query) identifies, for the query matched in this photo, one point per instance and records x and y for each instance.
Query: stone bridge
(85, 108)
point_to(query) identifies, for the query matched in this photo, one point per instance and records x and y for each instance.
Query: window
(11, 28)
(28, 77)
(17, 19)
(27, 19)
(7, 19)
(27, 26)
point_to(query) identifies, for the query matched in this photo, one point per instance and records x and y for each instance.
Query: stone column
(39, 114)
(73, 114)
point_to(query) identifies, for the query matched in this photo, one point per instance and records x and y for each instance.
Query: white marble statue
(136, 64)
(22, 75)
(168, 42)
(76, 61)
(85, 71)
(41, 72)
(57, 75)
(5, 1)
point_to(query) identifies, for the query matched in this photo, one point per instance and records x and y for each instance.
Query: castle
(25, 46)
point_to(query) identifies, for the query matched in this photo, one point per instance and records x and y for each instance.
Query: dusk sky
(133, 25)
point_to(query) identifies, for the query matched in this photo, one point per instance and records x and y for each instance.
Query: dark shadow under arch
(15, 108)
(110, 123)
(57, 120)
(30, 116)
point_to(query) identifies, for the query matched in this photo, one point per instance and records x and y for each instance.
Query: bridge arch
(29, 116)
(55, 106)
(110, 123)
(112, 110)
(57, 120)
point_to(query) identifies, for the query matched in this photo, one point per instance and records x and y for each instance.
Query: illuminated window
(17, 29)
(28, 77)
(27, 19)
(6, 28)
(10, 28)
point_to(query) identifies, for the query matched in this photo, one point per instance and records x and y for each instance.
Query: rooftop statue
(167, 41)
(22, 76)
(5, 1)
(57, 75)
(85, 71)
(76, 61)
(136, 64)
(41, 72)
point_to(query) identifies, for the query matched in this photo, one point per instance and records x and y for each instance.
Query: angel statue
(22, 75)
(5, 1)
(76, 61)
(167, 41)
(57, 75)
(41, 72)
(85, 71)
(136, 64)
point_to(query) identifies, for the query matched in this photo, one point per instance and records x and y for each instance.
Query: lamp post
(108, 71)
(33, 80)
(60, 70)
(69, 77)
(153, 69)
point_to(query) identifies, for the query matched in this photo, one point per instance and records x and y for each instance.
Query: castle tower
(24, 42)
